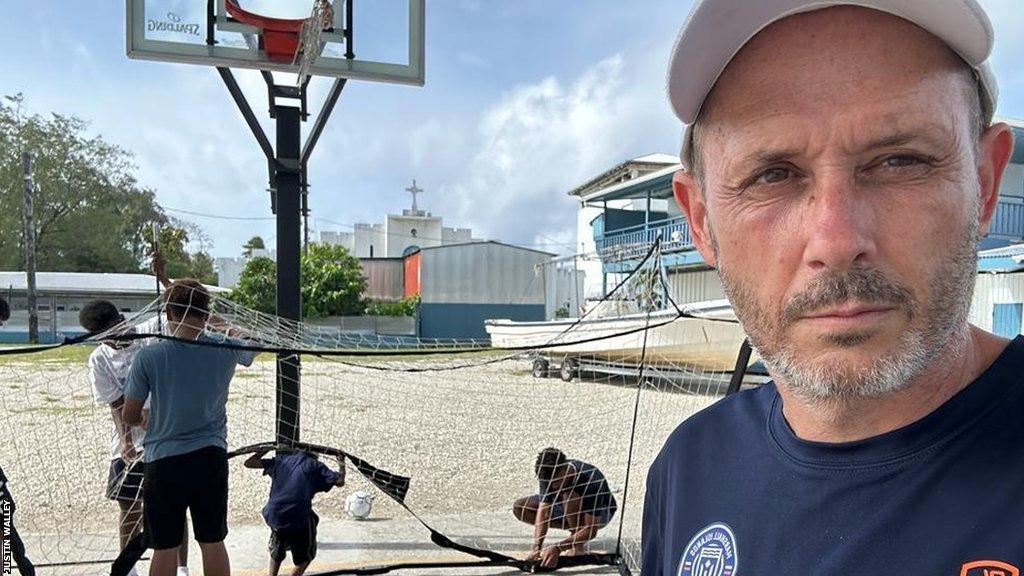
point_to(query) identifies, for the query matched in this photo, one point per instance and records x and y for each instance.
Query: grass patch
(54, 410)
(71, 354)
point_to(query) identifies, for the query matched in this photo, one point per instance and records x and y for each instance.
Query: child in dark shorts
(296, 476)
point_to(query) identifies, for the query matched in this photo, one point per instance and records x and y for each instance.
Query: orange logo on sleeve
(988, 568)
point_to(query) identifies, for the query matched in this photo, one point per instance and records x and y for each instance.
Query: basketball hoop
(296, 41)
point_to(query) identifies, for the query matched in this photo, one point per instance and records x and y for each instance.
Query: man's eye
(773, 176)
(902, 161)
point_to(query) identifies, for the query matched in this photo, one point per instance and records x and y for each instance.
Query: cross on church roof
(414, 190)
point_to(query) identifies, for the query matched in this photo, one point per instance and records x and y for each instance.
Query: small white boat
(709, 340)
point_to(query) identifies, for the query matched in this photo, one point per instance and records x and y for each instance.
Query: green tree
(254, 243)
(257, 285)
(332, 283)
(91, 213)
(173, 242)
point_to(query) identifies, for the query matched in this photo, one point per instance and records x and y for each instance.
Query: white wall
(230, 269)
(690, 287)
(563, 287)
(991, 289)
(456, 235)
(400, 233)
(368, 235)
(344, 239)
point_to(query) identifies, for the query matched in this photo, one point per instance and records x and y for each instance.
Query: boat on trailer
(706, 337)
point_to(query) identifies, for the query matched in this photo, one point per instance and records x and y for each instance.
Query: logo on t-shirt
(711, 552)
(988, 568)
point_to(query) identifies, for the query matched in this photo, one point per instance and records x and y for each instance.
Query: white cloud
(540, 140)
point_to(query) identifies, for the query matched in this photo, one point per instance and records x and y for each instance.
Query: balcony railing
(634, 242)
(1008, 221)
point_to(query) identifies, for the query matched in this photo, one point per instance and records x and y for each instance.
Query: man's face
(842, 199)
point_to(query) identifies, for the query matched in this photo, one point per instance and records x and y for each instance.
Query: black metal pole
(289, 246)
(742, 359)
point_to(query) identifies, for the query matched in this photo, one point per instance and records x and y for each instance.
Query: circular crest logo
(711, 552)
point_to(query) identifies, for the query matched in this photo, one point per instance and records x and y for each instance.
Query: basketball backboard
(381, 40)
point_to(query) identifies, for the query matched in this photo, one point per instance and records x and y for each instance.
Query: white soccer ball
(358, 504)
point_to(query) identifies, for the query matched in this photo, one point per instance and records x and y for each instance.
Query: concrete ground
(383, 541)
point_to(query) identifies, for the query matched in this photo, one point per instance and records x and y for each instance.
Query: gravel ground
(467, 438)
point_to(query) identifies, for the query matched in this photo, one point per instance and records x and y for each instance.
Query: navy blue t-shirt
(295, 478)
(735, 492)
(588, 483)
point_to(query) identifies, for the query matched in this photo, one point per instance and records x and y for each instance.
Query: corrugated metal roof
(1004, 252)
(1005, 259)
(87, 282)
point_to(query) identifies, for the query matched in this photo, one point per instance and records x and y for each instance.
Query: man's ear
(690, 198)
(994, 151)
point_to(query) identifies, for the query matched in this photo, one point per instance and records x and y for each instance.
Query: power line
(217, 216)
(550, 242)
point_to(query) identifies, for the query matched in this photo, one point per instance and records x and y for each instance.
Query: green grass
(73, 354)
(55, 410)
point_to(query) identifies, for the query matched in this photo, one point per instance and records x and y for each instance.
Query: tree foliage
(256, 286)
(91, 213)
(254, 243)
(332, 283)
(174, 240)
(403, 307)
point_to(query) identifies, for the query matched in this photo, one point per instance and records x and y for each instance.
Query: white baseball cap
(716, 30)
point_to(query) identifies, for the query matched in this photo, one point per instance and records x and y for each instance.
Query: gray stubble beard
(944, 329)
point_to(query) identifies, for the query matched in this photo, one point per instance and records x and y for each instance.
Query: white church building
(400, 234)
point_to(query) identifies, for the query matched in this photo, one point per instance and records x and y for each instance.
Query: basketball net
(310, 44)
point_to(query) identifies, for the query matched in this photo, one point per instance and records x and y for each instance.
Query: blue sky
(525, 99)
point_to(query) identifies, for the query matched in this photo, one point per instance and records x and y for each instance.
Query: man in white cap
(840, 164)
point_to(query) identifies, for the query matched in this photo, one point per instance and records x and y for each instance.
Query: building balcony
(633, 242)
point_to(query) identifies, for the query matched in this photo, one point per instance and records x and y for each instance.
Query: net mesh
(463, 423)
(310, 44)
